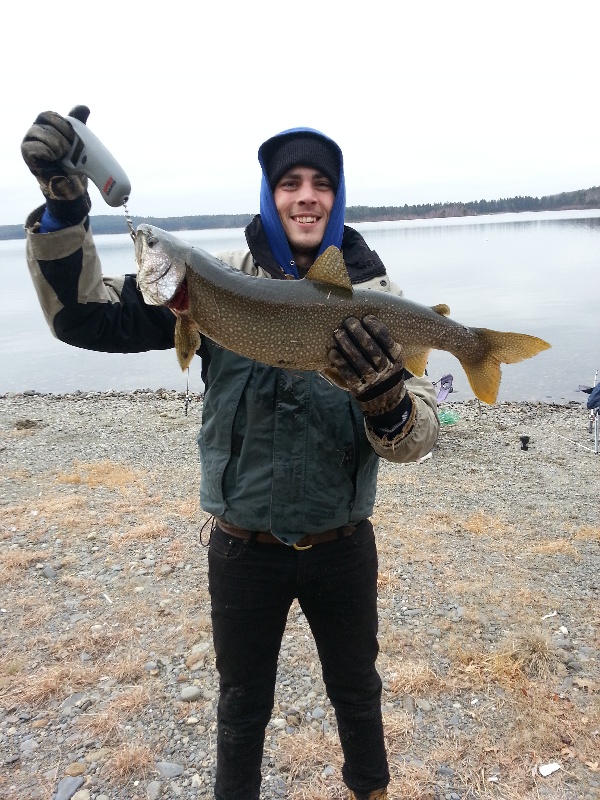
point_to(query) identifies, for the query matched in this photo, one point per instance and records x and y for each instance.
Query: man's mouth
(305, 220)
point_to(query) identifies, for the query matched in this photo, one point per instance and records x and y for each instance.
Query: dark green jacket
(280, 451)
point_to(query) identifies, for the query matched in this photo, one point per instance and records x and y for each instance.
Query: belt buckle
(297, 546)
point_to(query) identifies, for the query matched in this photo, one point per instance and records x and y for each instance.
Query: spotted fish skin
(289, 324)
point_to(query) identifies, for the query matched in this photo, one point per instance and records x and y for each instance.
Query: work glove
(367, 362)
(46, 143)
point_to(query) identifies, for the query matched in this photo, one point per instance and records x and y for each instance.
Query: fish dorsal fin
(330, 268)
(442, 309)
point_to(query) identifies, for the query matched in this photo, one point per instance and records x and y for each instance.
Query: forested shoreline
(577, 200)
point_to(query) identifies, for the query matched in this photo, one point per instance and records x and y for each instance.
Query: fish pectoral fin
(498, 348)
(332, 376)
(187, 340)
(442, 309)
(330, 268)
(416, 361)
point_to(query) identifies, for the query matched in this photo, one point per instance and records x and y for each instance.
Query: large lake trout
(289, 324)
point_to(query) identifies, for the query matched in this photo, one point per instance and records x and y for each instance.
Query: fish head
(161, 259)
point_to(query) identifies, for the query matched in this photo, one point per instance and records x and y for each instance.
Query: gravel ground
(489, 589)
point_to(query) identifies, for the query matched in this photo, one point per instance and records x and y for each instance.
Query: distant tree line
(580, 199)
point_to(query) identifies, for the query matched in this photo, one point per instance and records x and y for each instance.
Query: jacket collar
(362, 262)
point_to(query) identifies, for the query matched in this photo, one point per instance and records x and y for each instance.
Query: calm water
(533, 273)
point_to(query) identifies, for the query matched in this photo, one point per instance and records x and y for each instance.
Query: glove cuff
(384, 402)
(71, 212)
(397, 423)
(384, 396)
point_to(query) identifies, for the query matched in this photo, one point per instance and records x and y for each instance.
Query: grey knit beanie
(284, 152)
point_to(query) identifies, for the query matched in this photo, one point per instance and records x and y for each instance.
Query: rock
(190, 693)
(424, 705)
(76, 768)
(154, 790)
(97, 756)
(49, 572)
(82, 794)
(67, 788)
(28, 747)
(168, 769)
(408, 704)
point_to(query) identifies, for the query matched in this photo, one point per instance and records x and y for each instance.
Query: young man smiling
(289, 460)
(304, 199)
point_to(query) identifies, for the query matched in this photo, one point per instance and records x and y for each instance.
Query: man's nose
(308, 193)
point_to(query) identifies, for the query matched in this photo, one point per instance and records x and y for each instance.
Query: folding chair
(593, 405)
(443, 387)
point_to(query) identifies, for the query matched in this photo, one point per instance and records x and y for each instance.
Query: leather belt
(268, 538)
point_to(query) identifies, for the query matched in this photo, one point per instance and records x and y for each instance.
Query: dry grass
(304, 755)
(130, 760)
(480, 523)
(13, 561)
(71, 675)
(56, 680)
(588, 532)
(108, 474)
(108, 722)
(560, 547)
(533, 653)
(415, 678)
(140, 533)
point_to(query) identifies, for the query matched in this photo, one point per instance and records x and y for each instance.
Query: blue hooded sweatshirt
(277, 239)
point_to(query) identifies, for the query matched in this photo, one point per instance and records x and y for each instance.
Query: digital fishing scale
(88, 156)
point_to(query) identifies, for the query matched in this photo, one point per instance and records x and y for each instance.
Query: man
(289, 460)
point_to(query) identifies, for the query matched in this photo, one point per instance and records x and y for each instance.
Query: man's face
(304, 199)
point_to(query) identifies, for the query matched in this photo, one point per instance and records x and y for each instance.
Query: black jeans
(252, 587)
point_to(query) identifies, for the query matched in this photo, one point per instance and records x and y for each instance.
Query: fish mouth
(180, 302)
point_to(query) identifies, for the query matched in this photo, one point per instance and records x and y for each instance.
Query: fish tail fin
(187, 340)
(498, 348)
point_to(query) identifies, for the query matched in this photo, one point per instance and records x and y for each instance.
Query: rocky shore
(489, 603)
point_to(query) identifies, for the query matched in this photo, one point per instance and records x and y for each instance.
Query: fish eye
(152, 240)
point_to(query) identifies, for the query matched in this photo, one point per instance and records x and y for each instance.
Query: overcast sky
(430, 101)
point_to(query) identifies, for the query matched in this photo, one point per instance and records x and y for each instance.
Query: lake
(535, 273)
